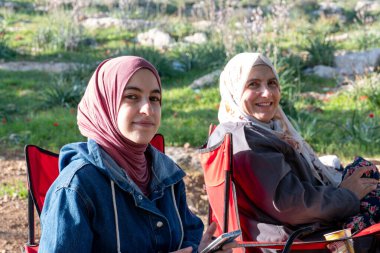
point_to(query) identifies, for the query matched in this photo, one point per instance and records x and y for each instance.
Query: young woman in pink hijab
(115, 192)
(280, 183)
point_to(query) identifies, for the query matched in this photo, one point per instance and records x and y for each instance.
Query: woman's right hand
(207, 239)
(359, 185)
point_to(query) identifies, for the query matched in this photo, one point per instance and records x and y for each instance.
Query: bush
(67, 89)
(203, 56)
(305, 125)
(61, 33)
(5, 51)
(289, 70)
(321, 51)
(180, 29)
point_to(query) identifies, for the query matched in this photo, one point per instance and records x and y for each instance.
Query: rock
(203, 25)
(55, 67)
(325, 71)
(186, 158)
(179, 66)
(196, 38)
(102, 22)
(348, 65)
(206, 80)
(155, 38)
(357, 63)
(367, 5)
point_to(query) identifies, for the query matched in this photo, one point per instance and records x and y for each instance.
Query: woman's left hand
(207, 239)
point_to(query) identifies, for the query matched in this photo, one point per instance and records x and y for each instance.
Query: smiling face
(261, 94)
(139, 113)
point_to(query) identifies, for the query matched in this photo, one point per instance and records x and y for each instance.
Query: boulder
(156, 38)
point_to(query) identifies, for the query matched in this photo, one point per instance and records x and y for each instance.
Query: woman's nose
(265, 92)
(146, 107)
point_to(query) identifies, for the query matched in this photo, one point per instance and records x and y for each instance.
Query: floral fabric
(369, 205)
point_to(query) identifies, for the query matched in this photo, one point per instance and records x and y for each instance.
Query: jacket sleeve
(284, 190)
(65, 223)
(192, 225)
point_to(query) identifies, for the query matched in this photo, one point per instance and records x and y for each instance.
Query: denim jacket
(93, 206)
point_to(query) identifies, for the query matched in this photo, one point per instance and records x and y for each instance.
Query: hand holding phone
(221, 240)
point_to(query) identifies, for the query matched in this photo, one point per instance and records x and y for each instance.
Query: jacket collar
(164, 171)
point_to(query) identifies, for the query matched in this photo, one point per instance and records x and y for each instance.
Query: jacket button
(140, 197)
(159, 224)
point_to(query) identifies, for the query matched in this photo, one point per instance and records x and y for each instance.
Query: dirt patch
(13, 210)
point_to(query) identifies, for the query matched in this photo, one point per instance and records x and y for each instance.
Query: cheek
(248, 98)
(122, 119)
(158, 115)
(278, 96)
(247, 102)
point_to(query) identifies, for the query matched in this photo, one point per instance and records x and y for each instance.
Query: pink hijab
(98, 111)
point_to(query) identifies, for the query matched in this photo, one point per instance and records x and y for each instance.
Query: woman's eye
(155, 99)
(254, 85)
(273, 84)
(130, 96)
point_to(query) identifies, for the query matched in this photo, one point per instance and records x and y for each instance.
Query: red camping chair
(42, 170)
(217, 164)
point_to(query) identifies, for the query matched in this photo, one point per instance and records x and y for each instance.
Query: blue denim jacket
(93, 206)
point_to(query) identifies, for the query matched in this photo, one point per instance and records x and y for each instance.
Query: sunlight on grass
(15, 189)
(189, 111)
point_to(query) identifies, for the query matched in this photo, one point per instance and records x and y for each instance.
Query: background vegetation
(40, 108)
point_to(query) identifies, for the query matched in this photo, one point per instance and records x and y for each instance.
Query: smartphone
(221, 240)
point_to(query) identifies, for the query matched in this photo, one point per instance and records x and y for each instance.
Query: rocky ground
(13, 210)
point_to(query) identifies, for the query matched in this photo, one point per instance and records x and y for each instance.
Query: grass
(345, 126)
(187, 115)
(15, 189)
(27, 118)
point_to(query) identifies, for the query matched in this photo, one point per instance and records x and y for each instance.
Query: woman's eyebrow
(132, 88)
(156, 91)
(140, 90)
(253, 79)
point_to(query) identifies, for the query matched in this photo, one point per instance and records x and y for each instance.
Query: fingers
(210, 231)
(361, 170)
(185, 250)
(371, 187)
(368, 180)
(230, 245)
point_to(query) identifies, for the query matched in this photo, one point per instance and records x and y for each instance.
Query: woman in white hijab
(280, 183)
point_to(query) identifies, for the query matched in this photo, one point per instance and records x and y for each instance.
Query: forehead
(143, 79)
(261, 72)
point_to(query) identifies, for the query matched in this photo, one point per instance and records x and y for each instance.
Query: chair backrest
(217, 164)
(42, 166)
(42, 170)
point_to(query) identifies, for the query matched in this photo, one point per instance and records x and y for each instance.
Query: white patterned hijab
(231, 84)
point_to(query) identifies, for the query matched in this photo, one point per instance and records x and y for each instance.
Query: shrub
(179, 29)
(321, 51)
(289, 70)
(363, 129)
(5, 51)
(204, 56)
(67, 89)
(305, 125)
(61, 33)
